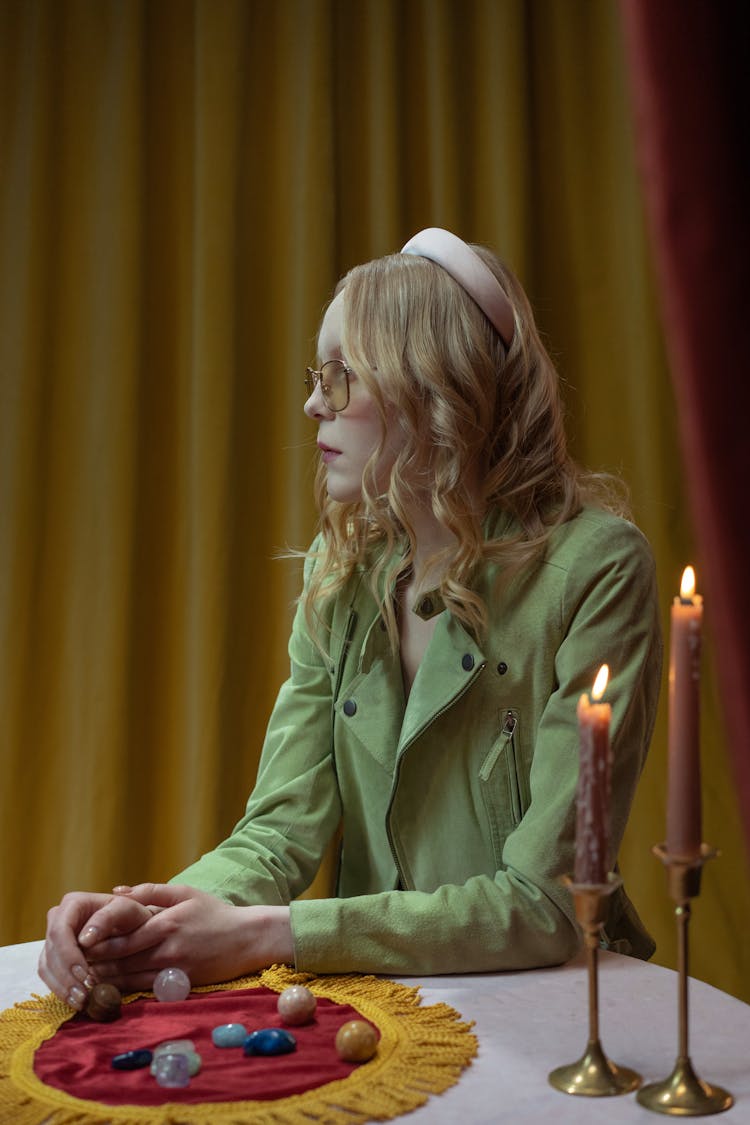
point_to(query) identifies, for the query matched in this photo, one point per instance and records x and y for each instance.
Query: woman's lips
(327, 453)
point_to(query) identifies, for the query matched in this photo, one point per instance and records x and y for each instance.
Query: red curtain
(689, 63)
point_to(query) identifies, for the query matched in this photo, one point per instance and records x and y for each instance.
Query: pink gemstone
(296, 1005)
(172, 984)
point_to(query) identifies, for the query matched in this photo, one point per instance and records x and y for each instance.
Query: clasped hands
(126, 938)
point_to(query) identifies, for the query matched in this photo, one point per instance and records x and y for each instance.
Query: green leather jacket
(458, 807)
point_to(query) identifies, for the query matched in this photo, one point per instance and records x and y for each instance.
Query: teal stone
(229, 1035)
(132, 1060)
(195, 1062)
(270, 1041)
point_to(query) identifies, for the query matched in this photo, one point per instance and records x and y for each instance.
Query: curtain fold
(182, 182)
(689, 66)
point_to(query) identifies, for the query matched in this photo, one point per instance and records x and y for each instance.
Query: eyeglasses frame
(313, 377)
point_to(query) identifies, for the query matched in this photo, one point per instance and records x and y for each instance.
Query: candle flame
(600, 682)
(687, 586)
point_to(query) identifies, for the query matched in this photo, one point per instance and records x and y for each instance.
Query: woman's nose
(315, 406)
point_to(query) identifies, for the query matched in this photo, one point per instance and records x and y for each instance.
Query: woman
(467, 583)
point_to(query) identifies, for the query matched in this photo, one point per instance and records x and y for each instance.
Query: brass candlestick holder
(594, 1075)
(683, 1093)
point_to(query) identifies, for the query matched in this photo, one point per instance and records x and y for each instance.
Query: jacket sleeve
(274, 851)
(523, 917)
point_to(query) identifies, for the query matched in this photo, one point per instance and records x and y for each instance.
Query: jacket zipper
(507, 747)
(509, 730)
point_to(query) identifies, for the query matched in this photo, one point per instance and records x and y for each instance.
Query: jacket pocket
(500, 786)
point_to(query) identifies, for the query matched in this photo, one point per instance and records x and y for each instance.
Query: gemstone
(356, 1041)
(194, 1061)
(171, 984)
(270, 1041)
(132, 1060)
(229, 1035)
(171, 1071)
(296, 1005)
(175, 1047)
(104, 1003)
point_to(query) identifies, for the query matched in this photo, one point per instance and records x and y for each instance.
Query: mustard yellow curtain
(181, 182)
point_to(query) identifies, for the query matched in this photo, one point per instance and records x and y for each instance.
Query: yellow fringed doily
(422, 1051)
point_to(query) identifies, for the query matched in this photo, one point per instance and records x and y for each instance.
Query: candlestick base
(593, 1075)
(684, 1094)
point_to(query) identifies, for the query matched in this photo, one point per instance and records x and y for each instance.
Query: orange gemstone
(356, 1041)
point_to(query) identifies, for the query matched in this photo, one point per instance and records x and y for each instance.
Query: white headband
(466, 267)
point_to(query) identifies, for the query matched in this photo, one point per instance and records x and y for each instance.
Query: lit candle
(684, 791)
(592, 827)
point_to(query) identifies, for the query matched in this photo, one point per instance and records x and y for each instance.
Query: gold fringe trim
(422, 1051)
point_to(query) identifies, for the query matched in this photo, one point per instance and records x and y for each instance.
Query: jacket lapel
(450, 665)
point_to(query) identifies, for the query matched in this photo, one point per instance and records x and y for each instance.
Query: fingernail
(80, 973)
(123, 889)
(90, 981)
(76, 997)
(88, 936)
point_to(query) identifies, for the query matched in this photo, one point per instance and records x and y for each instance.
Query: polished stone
(356, 1041)
(132, 1060)
(172, 984)
(171, 1071)
(270, 1041)
(174, 1047)
(194, 1060)
(104, 1003)
(229, 1035)
(296, 1005)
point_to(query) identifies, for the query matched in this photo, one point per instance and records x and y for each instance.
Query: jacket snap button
(467, 662)
(350, 708)
(502, 668)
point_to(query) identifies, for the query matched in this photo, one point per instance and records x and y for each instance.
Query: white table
(528, 1023)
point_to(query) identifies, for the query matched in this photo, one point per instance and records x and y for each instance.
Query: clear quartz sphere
(172, 984)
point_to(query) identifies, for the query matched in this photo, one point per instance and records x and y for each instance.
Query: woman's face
(347, 439)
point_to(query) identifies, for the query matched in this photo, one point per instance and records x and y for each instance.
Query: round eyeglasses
(334, 383)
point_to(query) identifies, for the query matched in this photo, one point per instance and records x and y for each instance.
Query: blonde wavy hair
(471, 412)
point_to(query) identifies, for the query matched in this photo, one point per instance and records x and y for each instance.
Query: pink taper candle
(592, 827)
(684, 791)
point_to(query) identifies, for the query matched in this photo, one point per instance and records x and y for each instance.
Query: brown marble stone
(104, 1003)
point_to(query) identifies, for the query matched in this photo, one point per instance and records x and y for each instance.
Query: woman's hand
(209, 939)
(63, 964)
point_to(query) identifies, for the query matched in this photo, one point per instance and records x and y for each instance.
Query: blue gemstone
(229, 1035)
(132, 1060)
(270, 1041)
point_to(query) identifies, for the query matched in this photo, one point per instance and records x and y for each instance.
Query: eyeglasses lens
(334, 384)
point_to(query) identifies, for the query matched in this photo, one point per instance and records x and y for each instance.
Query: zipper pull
(510, 724)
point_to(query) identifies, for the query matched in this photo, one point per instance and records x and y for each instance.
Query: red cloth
(78, 1058)
(688, 62)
